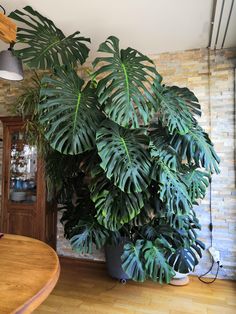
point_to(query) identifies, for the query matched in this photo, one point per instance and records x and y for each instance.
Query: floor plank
(85, 288)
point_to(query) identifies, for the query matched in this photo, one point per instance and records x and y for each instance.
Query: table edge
(31, 304)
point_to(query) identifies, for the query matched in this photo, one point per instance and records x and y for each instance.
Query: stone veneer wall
(211, 76)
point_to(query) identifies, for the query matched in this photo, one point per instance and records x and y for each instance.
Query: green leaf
(87, 234)
(156, 265)
(180, 231)
(69, 113)
(197, 182)
(114, 207)
(158, 229)
(176, 106)
(46, 45)
(27, 103)
(132, 261)
(124, 89)
(161, 149)
(172, 189)
(124, 157)
(184, 259)
(186, 98)
(144, 217)
(192, 224)
(197, 148)
(61, 171)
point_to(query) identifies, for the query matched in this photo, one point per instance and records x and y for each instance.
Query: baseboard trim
(82, 261)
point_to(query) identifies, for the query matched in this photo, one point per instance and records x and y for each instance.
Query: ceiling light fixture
(10, 66)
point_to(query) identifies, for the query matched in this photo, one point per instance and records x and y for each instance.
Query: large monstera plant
(127, 148)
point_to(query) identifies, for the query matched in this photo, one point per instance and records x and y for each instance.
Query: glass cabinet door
(23, 170)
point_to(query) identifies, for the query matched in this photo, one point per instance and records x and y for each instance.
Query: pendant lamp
(10, 66)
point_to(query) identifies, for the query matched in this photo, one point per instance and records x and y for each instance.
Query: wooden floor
(85, 288)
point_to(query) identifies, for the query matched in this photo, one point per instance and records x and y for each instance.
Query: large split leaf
(156, 265)
(88, 232)
(176, 106)
(124, 89)
(132, 262)
(196, 147)
(160, 147)
(197, 182)
(114, 207)
(179, 234)
(172, 190)
(184, 259)
(46, 45)
(166, 171)
(69, 112)
(124, 156)
(158, 228)
(191, 225)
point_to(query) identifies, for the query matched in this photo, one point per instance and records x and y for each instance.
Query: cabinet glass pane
(23, 169)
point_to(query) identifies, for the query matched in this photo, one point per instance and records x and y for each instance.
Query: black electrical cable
(210, 197)
(211, 221)
(216, 275)
(4, 11)
(212, 260)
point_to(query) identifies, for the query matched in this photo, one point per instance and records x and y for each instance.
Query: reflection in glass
(23, 170)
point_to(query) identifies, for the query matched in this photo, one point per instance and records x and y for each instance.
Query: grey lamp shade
(10, 66)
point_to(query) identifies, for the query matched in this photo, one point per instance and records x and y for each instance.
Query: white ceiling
(151, 26)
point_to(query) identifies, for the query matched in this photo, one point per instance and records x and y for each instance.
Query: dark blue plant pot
(113, 261)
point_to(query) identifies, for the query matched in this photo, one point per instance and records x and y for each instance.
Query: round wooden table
(29, 270)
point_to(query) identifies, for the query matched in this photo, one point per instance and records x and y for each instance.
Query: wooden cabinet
(25, 208)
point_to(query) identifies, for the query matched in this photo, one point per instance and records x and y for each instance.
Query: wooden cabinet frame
(38, 219)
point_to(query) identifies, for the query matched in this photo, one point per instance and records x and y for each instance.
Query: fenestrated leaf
(156, 265)
(166, 171)
(46, 45)
(186, 97)
(196, 147)
(172, 190)
(88, 232)
(192, 224)
(132, 262)
(124, 156)
(184, 259)
(114, 207)
(176, 106)
(144, 217)
(197, 182)
(150, 208)
(178, 234)
(124, 90)
(158, 228)
(160, 147)
(69, 112)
